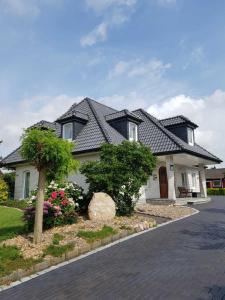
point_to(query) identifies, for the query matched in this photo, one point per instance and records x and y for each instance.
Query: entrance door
(163, 182)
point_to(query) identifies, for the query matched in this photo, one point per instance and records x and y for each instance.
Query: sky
(166, 56)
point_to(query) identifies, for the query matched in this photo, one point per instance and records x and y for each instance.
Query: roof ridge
(104, 131)
(181, 116)
(161, 127)
(90, 99)
(10, 154)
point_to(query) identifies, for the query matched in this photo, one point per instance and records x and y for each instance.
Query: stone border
(76, 254)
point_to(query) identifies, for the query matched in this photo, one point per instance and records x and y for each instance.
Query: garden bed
(65, 242)
(165, 211)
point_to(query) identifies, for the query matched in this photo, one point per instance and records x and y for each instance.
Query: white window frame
(190, 133)
(135, 139)
(184, 179)
(63, 131)
(24, 183)
(194, 180)
(216, 186)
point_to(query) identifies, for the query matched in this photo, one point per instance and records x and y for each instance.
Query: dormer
(181, 127)
(126, 123)
(72, 123)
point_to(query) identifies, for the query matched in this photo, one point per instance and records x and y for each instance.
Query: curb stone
(82, 253)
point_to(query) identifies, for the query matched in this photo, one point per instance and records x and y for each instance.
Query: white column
(202, 181)
(170, 178)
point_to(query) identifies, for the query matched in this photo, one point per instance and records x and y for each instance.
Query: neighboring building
(180, 160)
(215, 178)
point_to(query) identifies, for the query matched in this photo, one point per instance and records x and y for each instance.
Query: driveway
(183, 260)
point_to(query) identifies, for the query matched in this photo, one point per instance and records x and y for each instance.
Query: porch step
(192, 201)
(160, 201)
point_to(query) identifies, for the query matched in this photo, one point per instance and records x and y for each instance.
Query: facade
(180, 160)
(215, 178)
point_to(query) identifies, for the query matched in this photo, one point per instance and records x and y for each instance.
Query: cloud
(20, 7)
(14, 118)
(132, 68)
(113, 13)
(196, 57)
(207, 112)
(166, 2)
(96, 35)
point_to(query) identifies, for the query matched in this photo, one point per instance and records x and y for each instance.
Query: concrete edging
(95, 247)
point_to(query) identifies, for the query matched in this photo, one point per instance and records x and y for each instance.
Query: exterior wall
(74, 177)
(189, 171)
(19, 180)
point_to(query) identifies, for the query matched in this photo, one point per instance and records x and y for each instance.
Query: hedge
(216, 191)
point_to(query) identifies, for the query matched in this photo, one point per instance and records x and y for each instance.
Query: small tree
(120, 172)
(52, 158)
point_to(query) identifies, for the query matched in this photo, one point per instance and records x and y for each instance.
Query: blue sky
(166, 56)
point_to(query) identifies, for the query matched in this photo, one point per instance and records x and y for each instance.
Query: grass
(56, 250)
(57, 238)
(11, 223)
(11, 260)
(91, 236)
(21, 204)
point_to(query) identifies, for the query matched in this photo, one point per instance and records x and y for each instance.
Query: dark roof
(177, 120)
(122, 114)
(215, 173)
(72, 113)
(98, 130)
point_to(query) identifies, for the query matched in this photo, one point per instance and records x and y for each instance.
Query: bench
(184, 192)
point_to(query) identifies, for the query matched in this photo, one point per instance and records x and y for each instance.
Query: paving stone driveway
(183, 260)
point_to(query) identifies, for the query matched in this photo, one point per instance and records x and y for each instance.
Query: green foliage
(11, 260)
(3, 190)
(120, 172)
(11, 223)
(48, 152)
(9, 178)
(57, 238)
(55, 250)
(216, 191)
(91, 236)
(20, 204)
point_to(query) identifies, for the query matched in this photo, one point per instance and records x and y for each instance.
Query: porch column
(202, 181)
(170, 177)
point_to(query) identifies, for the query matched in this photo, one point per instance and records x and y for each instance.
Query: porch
(174, 173)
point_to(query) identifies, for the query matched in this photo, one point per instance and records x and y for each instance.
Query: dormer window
(133, 132)
(67, 131)
(190, 136)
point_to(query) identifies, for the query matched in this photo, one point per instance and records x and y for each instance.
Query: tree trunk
(38, 225)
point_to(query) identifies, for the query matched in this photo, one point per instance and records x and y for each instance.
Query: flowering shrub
(3, 190)
(60, 205)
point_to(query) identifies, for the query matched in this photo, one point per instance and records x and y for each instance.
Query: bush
(3, 190)
(120, 172)
(216, 191)
(9, 178)
(60, 205)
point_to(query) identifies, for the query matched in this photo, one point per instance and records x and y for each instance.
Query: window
(68, 131)
(26, 187)
(184, 179)
(194, 181)
(133, 135)
(217, 183)
(190, 136)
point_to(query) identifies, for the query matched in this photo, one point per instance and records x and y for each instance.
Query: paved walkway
(183, 260)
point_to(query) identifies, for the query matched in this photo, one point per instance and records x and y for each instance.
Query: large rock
(101, 208)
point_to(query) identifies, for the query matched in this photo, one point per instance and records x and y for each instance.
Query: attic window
(190, 136)
(67, 131)
(133, 134)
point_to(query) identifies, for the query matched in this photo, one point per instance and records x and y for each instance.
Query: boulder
(102, 207)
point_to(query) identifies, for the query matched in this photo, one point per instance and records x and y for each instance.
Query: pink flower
(54, 195)
(61, 193)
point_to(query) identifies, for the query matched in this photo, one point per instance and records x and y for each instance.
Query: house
(215, 178)
(180, 160)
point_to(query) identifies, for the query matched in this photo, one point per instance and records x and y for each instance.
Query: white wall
(189, 171)
(21, 169)
(19, 181)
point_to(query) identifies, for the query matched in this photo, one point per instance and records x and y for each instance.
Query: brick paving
(183, 260)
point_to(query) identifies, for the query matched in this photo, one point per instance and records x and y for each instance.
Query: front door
(163, 182)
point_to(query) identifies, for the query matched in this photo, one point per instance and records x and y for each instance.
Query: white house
(180, 160)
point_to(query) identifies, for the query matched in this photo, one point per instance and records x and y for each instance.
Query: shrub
(3, 190)
(216, 191)
(9, 178)
(120, 172)
(59, 208)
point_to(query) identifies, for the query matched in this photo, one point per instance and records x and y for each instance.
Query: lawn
(11, 222)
